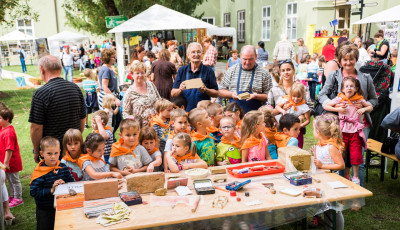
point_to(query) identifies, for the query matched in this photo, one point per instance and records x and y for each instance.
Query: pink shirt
(210, 57)
(350, 122)
(257, 154)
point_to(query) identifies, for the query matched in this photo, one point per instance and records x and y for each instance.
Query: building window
(25, 26)
(343, 17)
(227, 19)
(210, 20)
(266, 23)
(291, 20)
(241, 26)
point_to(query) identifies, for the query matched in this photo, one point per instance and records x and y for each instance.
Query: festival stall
(10, 43)
(155, 18)
(65, 38)
(220, 34)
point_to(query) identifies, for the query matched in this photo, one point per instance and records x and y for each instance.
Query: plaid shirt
(284, 50)
(210, 57)
(262, 82)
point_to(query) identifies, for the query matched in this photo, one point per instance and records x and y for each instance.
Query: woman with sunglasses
(287, 71)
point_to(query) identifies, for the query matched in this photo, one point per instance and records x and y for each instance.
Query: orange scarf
(154, 150)
(235, 143)
(212, 129)
(173, 134)
(118, 150)
(158, 121)
(270, 133)
(356, 97)
(105, 128)
(185, 157)
(331, 141)
(68, 157)
(252, 141)
(87, 157)
(200, 137)
(239, 124)
(291, 102)
(281, 139)
(43, 170)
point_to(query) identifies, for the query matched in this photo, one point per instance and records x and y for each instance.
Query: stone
(145, 182)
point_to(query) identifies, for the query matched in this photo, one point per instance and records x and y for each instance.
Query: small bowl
(197, 174)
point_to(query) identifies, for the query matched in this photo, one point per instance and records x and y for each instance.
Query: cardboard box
(68, 202)
(100, 189)
(145, 182)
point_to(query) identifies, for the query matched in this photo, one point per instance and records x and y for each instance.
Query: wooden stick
(222, 189)
(196, 203)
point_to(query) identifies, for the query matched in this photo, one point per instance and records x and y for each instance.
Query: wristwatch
(33, 151)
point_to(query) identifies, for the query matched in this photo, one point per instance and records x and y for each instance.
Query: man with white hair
(56, 106)
(284, 50)
(195, 69)
(248, 77)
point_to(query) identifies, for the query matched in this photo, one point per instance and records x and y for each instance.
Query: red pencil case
(256, 169)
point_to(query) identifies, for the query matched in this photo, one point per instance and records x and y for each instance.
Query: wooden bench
(375, 146)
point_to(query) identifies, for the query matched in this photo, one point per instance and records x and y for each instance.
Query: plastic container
(197, 174)
(300, 180)
(131, 198)
(267, 168)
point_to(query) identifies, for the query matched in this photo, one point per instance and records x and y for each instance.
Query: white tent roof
(16, 35)
(158, 17)
(389, 15)
(68, 36)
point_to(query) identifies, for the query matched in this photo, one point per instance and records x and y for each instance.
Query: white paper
(337, 184)
(63, 188)
(183, 190)
(290, 192)
(253, 202)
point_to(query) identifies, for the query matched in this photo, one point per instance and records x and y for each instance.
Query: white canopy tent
(389, 15)
(64, 38)
(156, 17)
(16, 35)
(10, 45)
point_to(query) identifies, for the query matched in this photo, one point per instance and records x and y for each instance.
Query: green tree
(10, 10)
(89, 15)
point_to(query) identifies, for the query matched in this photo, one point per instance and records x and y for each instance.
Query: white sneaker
(355, 180)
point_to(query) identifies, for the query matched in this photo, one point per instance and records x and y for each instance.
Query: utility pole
(361, 14)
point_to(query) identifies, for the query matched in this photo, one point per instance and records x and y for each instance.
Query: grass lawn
(34, 71)
(381, 210)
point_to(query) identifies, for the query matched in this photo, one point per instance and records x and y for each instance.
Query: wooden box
(100, 189)
(145, 182)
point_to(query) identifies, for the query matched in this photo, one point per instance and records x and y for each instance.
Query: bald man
(246, 77)
(56, 106)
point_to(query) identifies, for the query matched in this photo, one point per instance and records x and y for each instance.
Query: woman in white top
(363, 55)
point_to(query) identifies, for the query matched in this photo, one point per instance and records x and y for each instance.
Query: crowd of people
(242, 115)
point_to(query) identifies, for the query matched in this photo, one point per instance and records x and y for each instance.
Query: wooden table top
(145, 216)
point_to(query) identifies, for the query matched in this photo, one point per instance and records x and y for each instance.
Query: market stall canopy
(389, 15)
(68, 36)
(224, 32)
(16, 35)
(158, 17)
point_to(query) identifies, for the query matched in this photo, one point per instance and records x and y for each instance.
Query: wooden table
(376, 146)
(145, 216)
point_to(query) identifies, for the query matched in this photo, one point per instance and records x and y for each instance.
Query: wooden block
(300, 158)
(244, 96)
(100, 189)
(145, 182)
(217, 170)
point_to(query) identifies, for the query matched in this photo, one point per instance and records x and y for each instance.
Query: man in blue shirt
(195, 69)
(22, 56)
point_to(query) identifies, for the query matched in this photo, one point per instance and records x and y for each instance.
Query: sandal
(9, 222)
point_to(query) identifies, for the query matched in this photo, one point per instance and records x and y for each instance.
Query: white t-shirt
(301, 109)
(67, 59)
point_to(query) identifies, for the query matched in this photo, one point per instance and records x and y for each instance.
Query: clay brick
(100, 189)
(145, 182)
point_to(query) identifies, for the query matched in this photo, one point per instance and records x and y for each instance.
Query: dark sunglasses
(285, 61)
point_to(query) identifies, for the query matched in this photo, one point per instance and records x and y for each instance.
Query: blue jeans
(23, 65)
(312, 86)
(68, 70)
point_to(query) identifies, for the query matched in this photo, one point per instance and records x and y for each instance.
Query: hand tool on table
(270, 186)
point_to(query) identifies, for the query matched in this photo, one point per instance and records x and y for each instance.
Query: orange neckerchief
(172, 134)
(118, 150)
(184, 157)
(239, 124)
(331, 141)
(68, 157)
(105, 128)
(154, 150)
(200, 137)
(291, 102)
(212, 129)
(87, 157)
(158, 121)
(356, 97)
(281, 139)
(252, 141)
(43, 170)
(270, 133)
(235, 143)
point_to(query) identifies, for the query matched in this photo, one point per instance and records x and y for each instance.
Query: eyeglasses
(195, 52)
(226, 127)
(349, 87)
(285, 61)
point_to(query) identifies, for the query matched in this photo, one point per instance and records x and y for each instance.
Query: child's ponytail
(193, 149)
(92, 142)
(328, 125)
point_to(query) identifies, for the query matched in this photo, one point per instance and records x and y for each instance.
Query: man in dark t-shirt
(56, 106)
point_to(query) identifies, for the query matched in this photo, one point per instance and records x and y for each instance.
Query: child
(203, 104)
(149, 140)
(289, 126)
(270, 130)
(228, 149)
(99, 121)
(215, 112)
(183, 155)
(218, 75)
(321, 65)
(123, 89)
(108, 104)
(10, 156)
(179, 102)
(328, 151)
(312, 69)
(72, 146)
(47, 175)
(127, 156)
(233, 110)
(351, 123)
(254, 144)
(297, 103)
(179, 122)
(162, 122)
(205, 144)
(302, 75)
(91, 87)
(91, 59)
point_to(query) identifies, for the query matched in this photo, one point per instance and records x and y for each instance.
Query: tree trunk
(110, 7)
